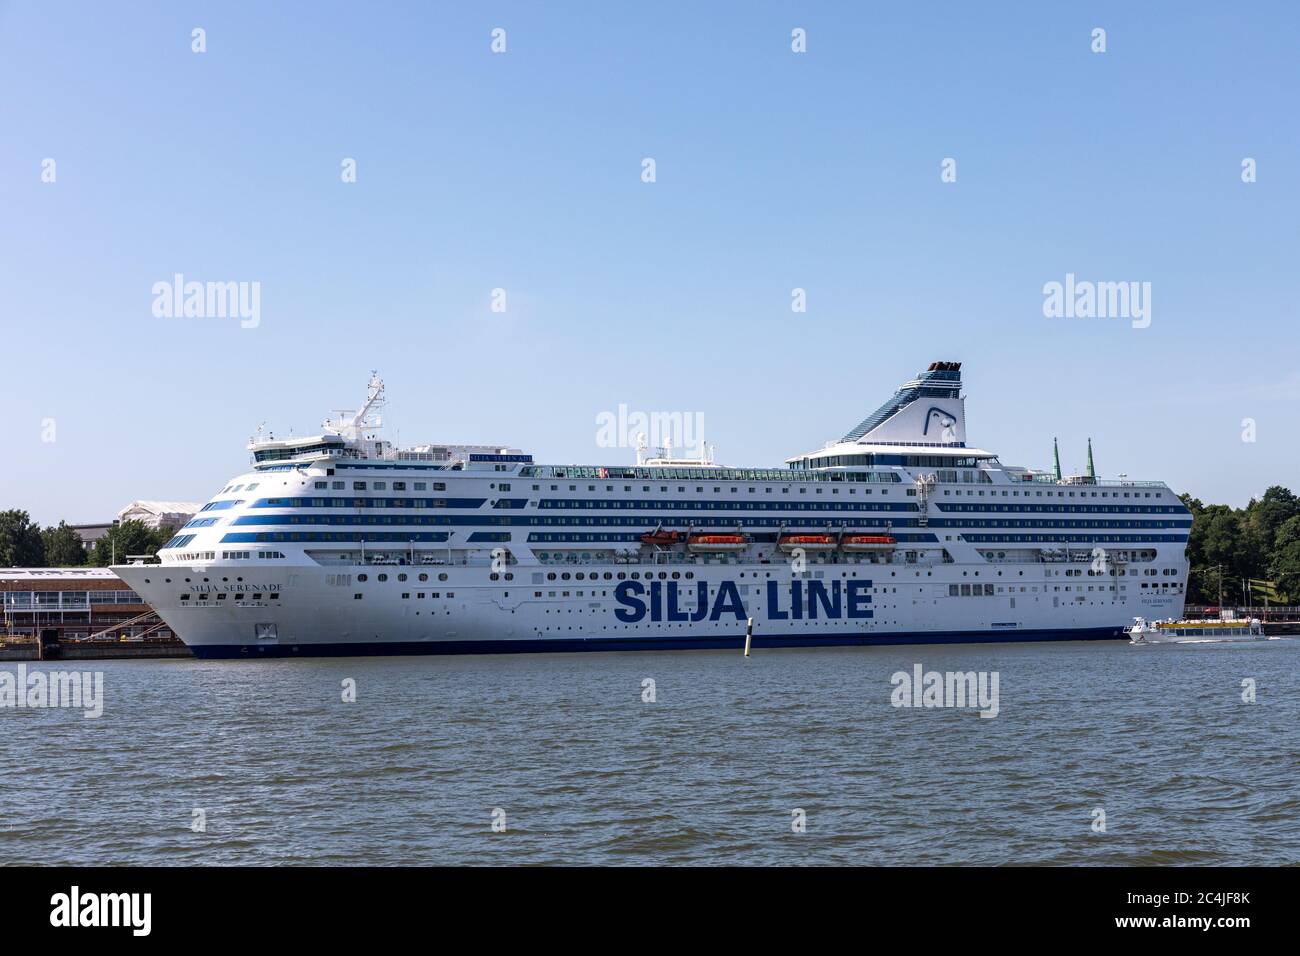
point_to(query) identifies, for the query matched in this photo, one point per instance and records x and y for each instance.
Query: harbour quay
(78, 614)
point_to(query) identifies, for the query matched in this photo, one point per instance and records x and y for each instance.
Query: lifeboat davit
(661, 538)
(869, 542)
(716, 543)
(808, 542)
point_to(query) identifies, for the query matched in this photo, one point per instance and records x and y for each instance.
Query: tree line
(25, 544)
(1230, 546)
(1227, 546)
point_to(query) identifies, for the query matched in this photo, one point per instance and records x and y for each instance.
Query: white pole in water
(749, 633)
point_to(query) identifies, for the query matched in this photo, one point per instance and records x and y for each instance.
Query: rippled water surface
(710, 772)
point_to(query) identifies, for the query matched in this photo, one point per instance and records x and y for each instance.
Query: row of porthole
(188, 580)
(635, 575)
(622, 575)
(693, 626)
(400, 577)
(663, 575)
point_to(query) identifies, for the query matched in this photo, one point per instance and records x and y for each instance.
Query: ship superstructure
(343, 543)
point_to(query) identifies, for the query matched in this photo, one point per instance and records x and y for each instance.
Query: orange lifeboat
(716, 543)
(808, 542)
(661, 538)
(869, 542)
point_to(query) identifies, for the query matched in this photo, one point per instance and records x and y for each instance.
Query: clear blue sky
(523, 171)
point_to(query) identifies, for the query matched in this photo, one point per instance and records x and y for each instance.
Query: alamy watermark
(129, 910)
(208, 300)
(923, 688)
(40, 689)
(624, 428)
(1084, 299)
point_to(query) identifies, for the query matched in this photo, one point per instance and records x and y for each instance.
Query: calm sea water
(711, 772)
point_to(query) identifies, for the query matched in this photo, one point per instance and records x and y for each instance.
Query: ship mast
(351, 424)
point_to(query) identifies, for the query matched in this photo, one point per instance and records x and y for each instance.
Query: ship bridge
(354, 434)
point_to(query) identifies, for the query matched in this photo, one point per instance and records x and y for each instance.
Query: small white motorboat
(1193, 632)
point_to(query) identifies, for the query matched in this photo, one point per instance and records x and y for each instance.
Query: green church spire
(1092, 472)
(1056, 456)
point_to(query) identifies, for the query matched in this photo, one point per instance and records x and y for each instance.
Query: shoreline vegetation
(25, 544)
(1227, 547)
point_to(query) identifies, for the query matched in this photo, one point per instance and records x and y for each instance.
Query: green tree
(1274, 509)
(1226, 545)
(162, 535)
(1197, 585)
(128, 538)
(1285, 566)
(63, 546)
(20, 541)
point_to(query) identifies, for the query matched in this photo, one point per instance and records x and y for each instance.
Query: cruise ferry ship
(900, 532)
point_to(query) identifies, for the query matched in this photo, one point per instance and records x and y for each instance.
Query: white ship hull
(1196, 632)
(317, 615)
(1163, 639)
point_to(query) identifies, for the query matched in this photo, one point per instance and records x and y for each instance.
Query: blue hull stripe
(709, 642)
